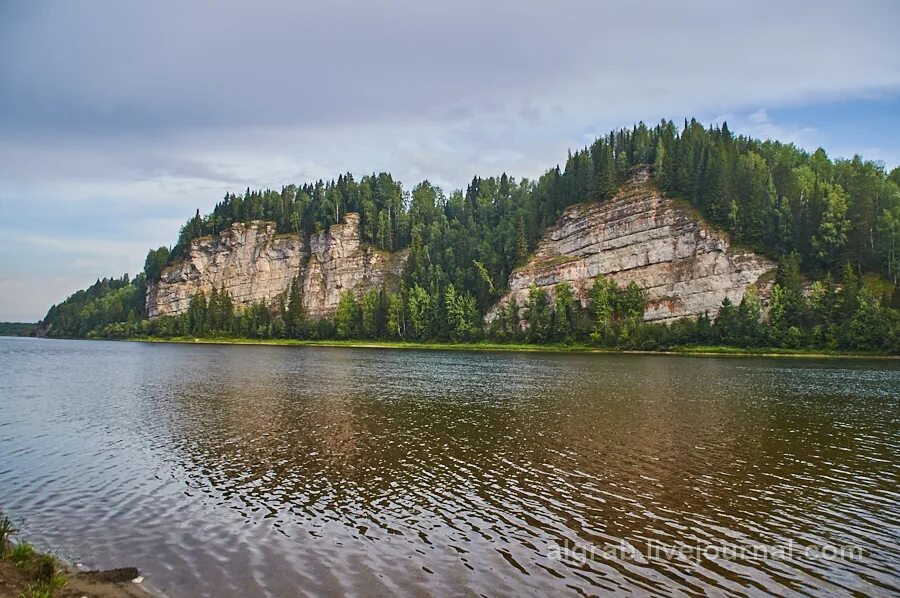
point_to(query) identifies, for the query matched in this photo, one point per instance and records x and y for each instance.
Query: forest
(832, 225)
(18, 329)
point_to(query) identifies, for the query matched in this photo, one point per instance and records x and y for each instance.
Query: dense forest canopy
(831, 221)
(18, 329)
(107, 301)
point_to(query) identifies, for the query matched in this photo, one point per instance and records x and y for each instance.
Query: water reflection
(284, 471)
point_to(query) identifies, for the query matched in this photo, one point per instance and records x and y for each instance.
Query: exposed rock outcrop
(338, 261)
(685, 267)
(250, 261)
(254, 264)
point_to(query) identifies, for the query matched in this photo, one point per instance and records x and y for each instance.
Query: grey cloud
(118, 119)
(127, 67)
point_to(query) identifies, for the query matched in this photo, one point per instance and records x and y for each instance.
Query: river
(283, 471)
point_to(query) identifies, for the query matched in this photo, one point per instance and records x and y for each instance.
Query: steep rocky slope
(685, 267)
(337, 261)
(253, 263)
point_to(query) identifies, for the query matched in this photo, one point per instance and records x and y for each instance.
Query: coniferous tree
(296, 315)
(537, 315)
(775, 197)
(347, 318)
(563, 312)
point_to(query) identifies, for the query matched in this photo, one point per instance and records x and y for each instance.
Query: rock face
(684, 267)
(254, 264)
(337, 261)
(249, 261)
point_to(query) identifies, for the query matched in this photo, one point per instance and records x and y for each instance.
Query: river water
(283, 471)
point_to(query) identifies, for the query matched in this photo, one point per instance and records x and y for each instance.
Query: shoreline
(28, 571)
(488, 347)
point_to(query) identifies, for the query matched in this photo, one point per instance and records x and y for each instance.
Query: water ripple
(282, 471)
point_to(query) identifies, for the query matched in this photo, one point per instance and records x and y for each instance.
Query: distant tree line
(829, 316)
(18, 329)
(779, 200)
(833, 222)
(107, 301)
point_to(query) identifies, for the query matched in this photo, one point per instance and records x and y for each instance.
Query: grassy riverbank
(698, 350)
(28, 573)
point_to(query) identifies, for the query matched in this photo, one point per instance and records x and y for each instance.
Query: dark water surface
(225, 470)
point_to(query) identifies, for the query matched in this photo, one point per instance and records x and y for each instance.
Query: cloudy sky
(118, 119)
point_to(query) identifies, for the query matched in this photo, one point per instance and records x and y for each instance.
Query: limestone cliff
(254, 264)
(338, 261)
(685, 267)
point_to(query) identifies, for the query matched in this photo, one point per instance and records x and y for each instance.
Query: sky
(118, 119)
